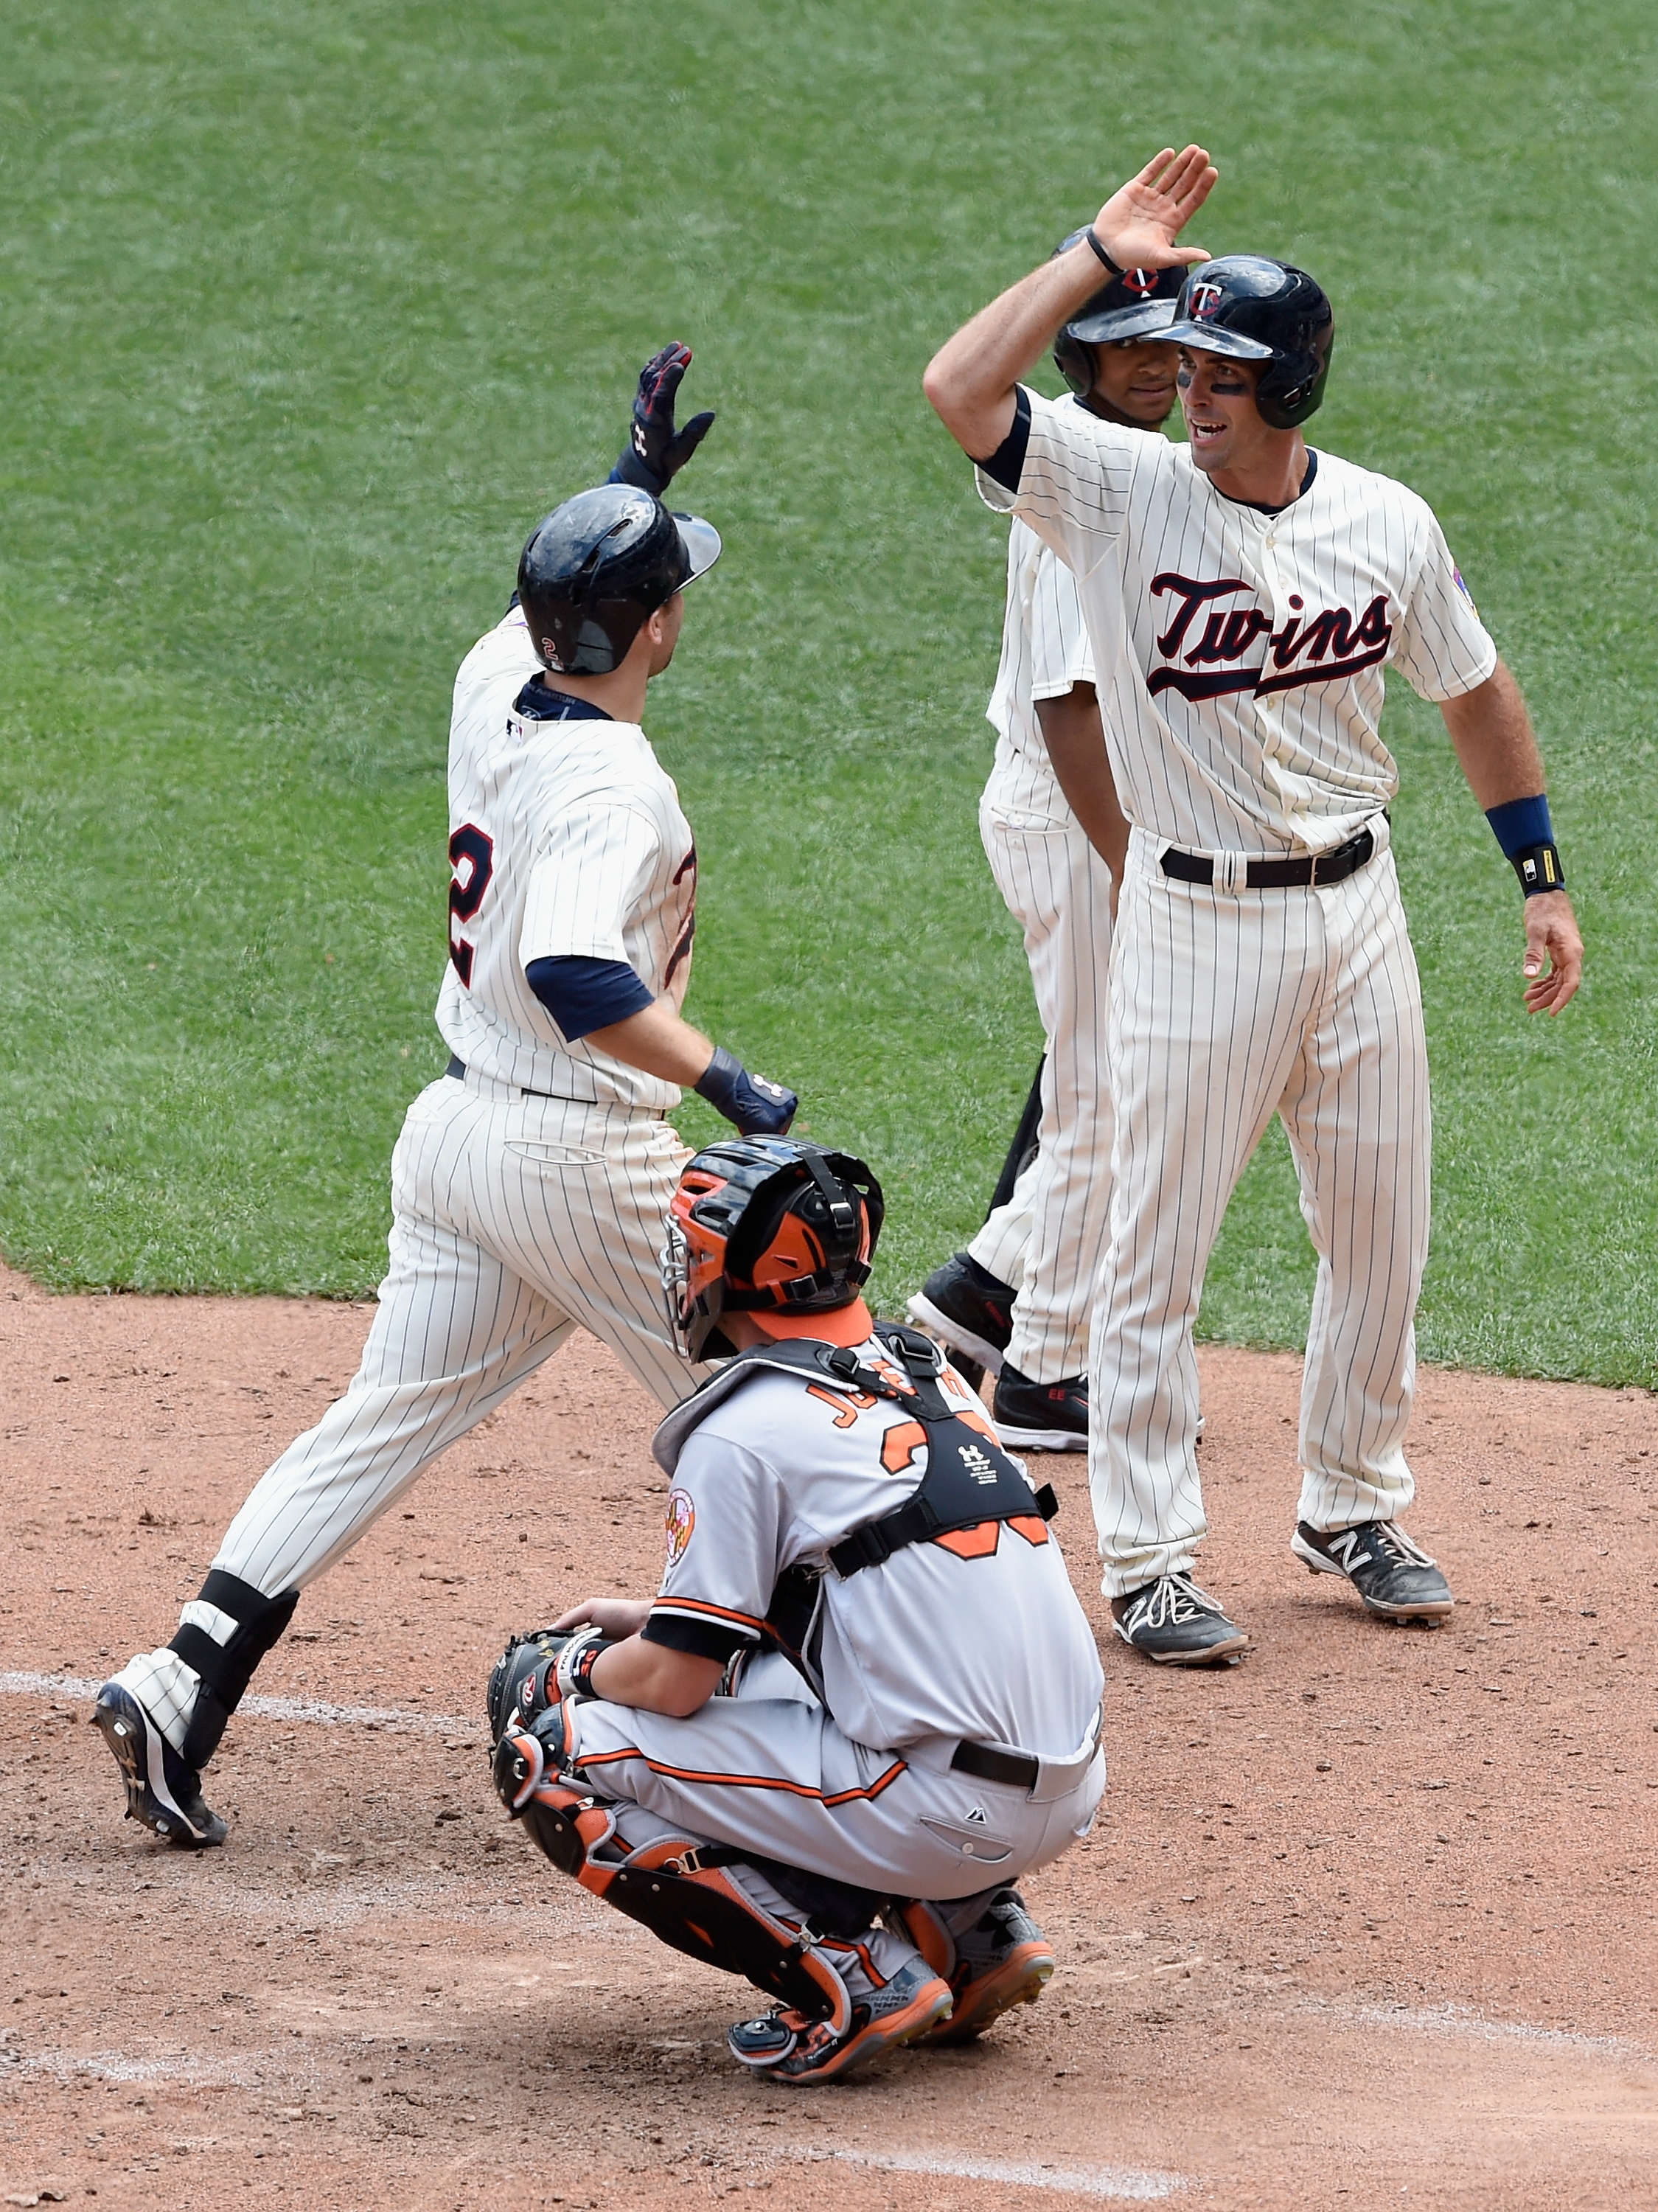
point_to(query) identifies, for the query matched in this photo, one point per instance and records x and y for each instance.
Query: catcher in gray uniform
(865, 1699)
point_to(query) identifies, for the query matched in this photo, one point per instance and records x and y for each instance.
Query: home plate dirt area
(1366, 1919)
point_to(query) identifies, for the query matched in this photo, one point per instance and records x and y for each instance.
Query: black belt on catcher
(1019, 1770)
(1277, 875)
(1043, 1780)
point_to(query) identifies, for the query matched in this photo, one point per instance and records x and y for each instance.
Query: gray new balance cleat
(1174, 1622)
(162, 1792)
(1393, 1575)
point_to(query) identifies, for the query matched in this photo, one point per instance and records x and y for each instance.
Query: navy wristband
(1519, 822)
(1523, 830)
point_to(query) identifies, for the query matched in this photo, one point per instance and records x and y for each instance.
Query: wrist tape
(576, 1660)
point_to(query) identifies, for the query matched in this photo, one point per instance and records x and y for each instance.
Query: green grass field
(310, 311)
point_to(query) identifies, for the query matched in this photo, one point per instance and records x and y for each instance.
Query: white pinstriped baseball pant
(1227, 1008)
(515, 1220)
(1049, 1241)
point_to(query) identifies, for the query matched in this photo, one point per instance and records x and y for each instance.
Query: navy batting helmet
(1139, 304)
(1250, 308)
(597, 567)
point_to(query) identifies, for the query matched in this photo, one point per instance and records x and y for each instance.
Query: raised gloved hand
(655, 451)
(759, 1107)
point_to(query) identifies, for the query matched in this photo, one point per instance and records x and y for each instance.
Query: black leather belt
(1018, 1769)
(1278, 875)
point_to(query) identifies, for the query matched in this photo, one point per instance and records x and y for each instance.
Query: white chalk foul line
(18, 1684)
(1123, 2182)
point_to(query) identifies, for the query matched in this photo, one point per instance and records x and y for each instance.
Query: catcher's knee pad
(679, 1890)
(225, 1669)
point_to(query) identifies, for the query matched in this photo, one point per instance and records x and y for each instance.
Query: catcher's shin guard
(682, 1891)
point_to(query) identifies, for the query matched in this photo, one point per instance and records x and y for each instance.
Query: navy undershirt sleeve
(701, 1639)
(583, 995)
(1007, 465)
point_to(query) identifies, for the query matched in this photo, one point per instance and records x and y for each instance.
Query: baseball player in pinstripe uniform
(864, 1699)
(1244, 595)
(1019, 1299)
(530, 1184)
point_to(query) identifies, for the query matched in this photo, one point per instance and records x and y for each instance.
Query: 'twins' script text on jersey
(1240, 652)
(565, 840)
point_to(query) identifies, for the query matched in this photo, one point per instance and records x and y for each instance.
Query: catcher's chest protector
(969, 1484)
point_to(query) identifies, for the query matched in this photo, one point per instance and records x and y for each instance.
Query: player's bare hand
(1137, 225)
(1554, 953)
(615, 1617)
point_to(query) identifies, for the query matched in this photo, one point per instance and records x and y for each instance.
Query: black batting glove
(759, 1109)
(655, 452)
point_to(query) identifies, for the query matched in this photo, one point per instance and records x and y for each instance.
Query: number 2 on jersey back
(473, 857)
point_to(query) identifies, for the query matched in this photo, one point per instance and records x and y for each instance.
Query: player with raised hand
(1019, 1299)
(1244, 595)
(865, 1699)
(531, 1181)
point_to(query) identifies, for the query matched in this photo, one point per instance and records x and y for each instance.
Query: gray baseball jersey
(975, 1635)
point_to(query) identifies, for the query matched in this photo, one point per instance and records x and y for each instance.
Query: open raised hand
(1138, 224)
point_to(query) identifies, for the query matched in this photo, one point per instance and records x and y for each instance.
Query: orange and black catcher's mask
(773, 1227)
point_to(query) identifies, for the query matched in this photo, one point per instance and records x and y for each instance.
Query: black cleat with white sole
(162, 1792)
(1041, 1416)
(1393, 1575)
(1175, 1623)
(970, 1311)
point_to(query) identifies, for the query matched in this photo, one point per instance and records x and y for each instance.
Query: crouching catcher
(864, 1701)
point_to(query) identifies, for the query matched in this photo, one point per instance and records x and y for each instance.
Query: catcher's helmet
(773, 1227)
(1139, 304)
(597, 567)
(1253, 309)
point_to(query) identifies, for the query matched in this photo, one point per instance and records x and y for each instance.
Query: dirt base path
(1367, 1917)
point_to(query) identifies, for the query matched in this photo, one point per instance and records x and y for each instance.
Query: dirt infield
(1367, 1917)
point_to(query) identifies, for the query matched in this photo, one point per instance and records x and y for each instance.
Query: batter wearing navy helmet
(530, 1182)
(1244, 595)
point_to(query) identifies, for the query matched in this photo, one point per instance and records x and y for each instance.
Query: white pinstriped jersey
(1045, 652)
(1241, 653)
(977, 1635)
(567, 838)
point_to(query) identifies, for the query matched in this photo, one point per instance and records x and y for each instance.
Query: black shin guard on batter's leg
(225, 1669)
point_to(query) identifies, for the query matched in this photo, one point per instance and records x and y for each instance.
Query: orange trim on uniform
(1031, 1526)
(749, 1781)
(717, 1611)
